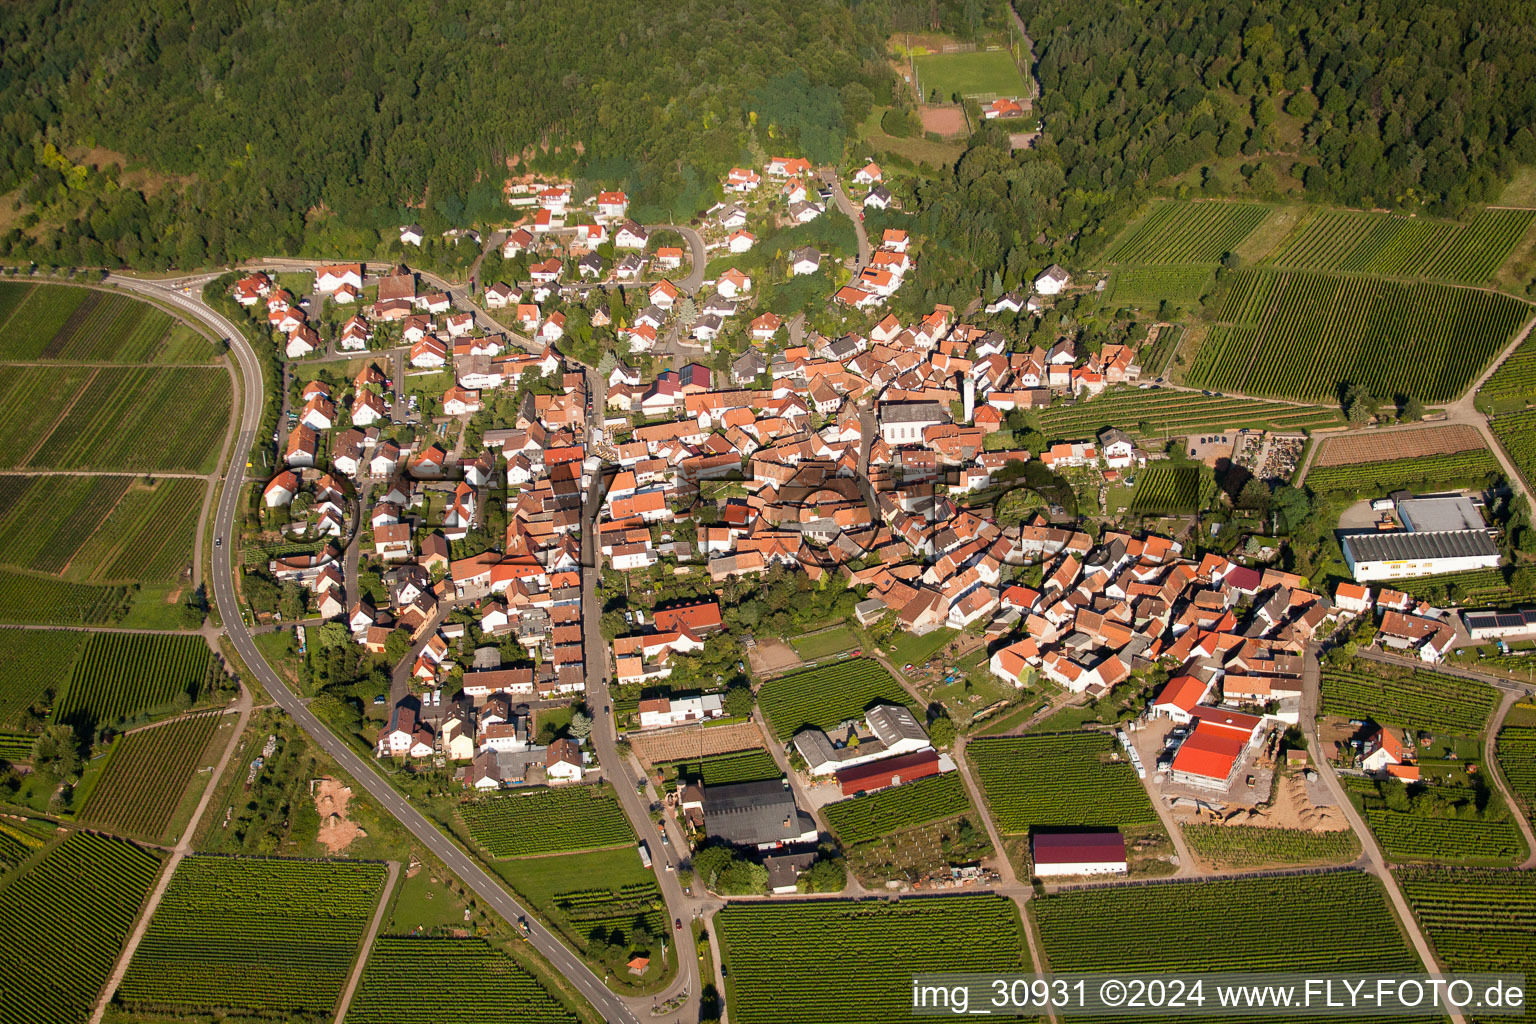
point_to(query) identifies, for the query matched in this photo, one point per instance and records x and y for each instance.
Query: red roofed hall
(1079, 853)
(888, 771)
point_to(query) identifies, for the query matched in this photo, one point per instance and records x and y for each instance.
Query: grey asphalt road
(695, 279)
(610, 1006)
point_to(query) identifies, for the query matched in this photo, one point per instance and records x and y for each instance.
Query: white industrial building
(1402, 554)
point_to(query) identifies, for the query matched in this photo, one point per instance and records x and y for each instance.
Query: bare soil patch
(943, 121)
(771, 657)
(1353, 449)
(337, 831)
(676, 744)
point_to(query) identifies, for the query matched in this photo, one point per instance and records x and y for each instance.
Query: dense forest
(1402, 104)
(317, 126)
(269, 124)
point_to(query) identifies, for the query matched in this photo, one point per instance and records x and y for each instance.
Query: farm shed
(1079, 853)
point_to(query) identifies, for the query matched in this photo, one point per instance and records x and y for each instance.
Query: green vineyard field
(16, 846)
(1062, 779)
(99, 529)
(1187, 233)
(1164, 490)
(1422, 473)
(1517, 759)
(1478, 920)
(722, 769)
(403, 983)
(824, 696)
(1223, 925)
(1247, 846)
(1149, 287)
(1462, 837)
(47, 321)
(122, 675)
(139, 418)
(275, 937)
(1164, 412)
(547, 821)
(867, 817)
(42, 601)
(1415, 699)
(1516, 431)
(37, 661)
(1395, 246)
(778, 971)
(144, 782)
(1477, 588)
(63, 922)
(1301, 336)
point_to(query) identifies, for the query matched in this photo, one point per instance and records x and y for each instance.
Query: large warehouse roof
(1407, 547)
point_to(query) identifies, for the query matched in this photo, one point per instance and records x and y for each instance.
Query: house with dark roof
(758, 814)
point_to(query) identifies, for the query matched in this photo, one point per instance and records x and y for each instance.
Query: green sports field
(982, 73)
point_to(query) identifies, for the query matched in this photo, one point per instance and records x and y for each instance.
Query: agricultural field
(1513, 384)
(63, 922)
(1301, 336)
(1517, 760)
(1219, 925)
(1150, 287)
(1478, 588)
(16, 746)
(1476, 920)
(404, 983)
(120, 676)
(1181, 232)
(824, 696)
(16, 845)
(37, 661)
(776, 955)
(136, 418)
(99, 529)
(1416, 699)
(545, 820)
(1419, 473)
(724, 769)
(38, 600)
(1155, 355)
(982, 73)
(1516, 431)
(1251, 846)
(40, 322)
(870, 816)
(1390, 245)
(1055, 779)
(23, 391)
(1164, 490)
(825, 643)
(253, 936)
(580, 892)
(147, 775)
(1435, 827)
(1163, 412)
(1357, 448)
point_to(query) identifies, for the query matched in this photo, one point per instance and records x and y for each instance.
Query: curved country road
(610, 1006)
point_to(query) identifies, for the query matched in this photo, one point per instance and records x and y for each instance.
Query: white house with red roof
(612, 205)
(740, 241)
(1179, 696)
(329, 279)
(1002, 107)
